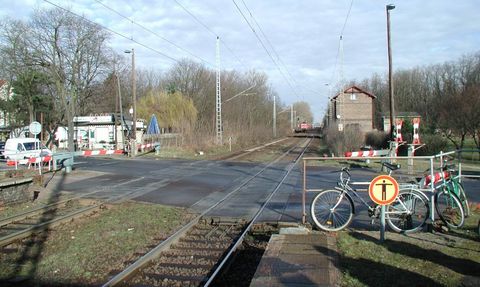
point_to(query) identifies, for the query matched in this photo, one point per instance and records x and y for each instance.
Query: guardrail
(66, 159)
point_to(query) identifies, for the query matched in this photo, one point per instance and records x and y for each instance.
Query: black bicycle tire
(457, 202)
(418, 226)
(321, 223)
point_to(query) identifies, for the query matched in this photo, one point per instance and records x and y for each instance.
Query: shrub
(434, 144)
(339, 142)
(377, 139)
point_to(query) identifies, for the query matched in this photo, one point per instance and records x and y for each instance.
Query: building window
(353, 97)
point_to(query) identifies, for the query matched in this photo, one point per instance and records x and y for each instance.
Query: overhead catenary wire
(211, 32)
(265, 48)
(268, 42)
(113, 31)
(340, 41)
(154, 33)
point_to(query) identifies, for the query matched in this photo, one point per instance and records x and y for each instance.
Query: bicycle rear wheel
(408, 212)
(462, 197)
(331, 210)
(449, 208)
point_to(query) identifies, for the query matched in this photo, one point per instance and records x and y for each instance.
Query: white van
(20, 148)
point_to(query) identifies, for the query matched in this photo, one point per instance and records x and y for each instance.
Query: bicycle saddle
(391, 166)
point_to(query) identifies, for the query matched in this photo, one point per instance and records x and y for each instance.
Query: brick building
(352, 107)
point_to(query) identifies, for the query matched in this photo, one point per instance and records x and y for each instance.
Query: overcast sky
(304, 34)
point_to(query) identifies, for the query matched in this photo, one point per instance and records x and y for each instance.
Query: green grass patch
(420, 259)
(88, 250)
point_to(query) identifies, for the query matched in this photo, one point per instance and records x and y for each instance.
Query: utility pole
(115, 126)
(134, 104)
(291, 116)
(274, 118)
(218, 106)
(341, 111)
(119, 100)
(390, 80)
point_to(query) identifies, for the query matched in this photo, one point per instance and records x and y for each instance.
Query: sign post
(383, 190)
(35, 128)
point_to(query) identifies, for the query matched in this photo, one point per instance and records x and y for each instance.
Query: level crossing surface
(198, 184)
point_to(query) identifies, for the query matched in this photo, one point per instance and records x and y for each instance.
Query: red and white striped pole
(416, 136)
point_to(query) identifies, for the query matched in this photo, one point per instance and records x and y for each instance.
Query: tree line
(61, 66)
(446, 95)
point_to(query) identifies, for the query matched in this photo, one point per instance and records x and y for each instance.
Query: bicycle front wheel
(408, 212)
(331, 210)
(449, 208)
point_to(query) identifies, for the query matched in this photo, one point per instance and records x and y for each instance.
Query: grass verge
(420, 259)
(89, 250)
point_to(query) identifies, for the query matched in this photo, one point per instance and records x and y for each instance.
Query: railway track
(191, 259)
(23, 225)
(196, 254)
(244, 153)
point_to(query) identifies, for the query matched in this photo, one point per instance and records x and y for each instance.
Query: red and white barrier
(416, 136)
(398, 130)
(367, 153)
(101, 152)
(31, 160)
(144, 146)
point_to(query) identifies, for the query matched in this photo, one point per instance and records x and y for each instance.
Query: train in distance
(303, 127)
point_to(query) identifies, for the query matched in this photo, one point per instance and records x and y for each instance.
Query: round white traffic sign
(35, 128)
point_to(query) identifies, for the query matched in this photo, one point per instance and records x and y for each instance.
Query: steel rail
(42, 209)
(44, 225)
(253, 149)
(8, 239)
(145, 259)
(259, 212)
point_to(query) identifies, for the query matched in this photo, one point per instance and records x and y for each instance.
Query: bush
(434, 144)
(339, 142)
(377, 139)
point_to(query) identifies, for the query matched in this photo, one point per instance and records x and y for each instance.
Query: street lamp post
(390, 81)
(274, 118)
(134, 105)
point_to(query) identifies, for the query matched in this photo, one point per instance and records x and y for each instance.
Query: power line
(154, 33)
(113, 31)
(265, 48)
(196, 19)
(340, 40)
(269, 43)
(212, 32)
(346, 18)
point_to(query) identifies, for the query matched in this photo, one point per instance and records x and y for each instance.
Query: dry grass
(86, 251)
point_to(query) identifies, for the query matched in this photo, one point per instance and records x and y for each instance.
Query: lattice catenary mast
(218, 107)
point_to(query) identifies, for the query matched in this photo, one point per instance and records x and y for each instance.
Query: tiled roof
(355, 89)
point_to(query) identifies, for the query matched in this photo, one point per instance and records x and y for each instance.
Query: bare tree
(73, 53)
